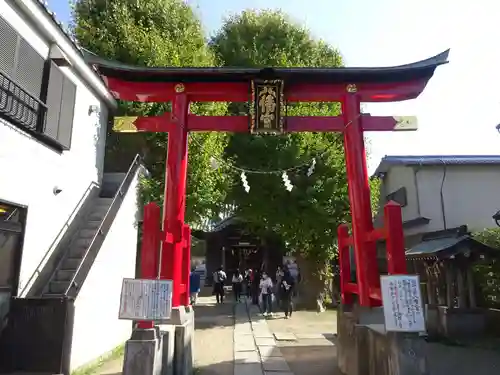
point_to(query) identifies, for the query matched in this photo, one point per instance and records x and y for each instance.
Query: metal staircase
(70, 272)
(40, 326)
(59, 283)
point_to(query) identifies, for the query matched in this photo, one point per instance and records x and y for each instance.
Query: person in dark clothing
(248, 282)
(287, 288)
(219, 279)
(255, 287)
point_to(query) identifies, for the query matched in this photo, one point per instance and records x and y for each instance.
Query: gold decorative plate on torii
(267, 108)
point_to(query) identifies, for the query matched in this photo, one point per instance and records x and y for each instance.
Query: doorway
(12, 228)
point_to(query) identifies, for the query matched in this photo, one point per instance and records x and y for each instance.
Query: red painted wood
(359, 197)
(150, 248)
(186, 256)
(344, 262)
(352, 288)
(376, 294)
(376, 234)
(238, 124)
(175, 195)
(239, 92)
(395, 246)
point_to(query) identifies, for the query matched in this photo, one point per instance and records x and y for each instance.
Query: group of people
(261, 287)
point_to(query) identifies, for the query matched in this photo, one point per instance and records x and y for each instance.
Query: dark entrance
(12, 225)
(232, 244)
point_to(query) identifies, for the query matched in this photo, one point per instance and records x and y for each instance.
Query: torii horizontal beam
(158, 92)
(239, 124)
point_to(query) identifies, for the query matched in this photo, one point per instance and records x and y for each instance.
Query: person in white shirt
(266, 290)
(237, 285)
(219, 279)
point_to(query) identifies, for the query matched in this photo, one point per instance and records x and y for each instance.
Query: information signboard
(402, 303)
(143, 299)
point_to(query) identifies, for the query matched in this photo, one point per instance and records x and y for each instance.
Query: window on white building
(35, 95)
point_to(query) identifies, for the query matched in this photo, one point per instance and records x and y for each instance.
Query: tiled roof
(65, 30)
(447, 247)
(388, 161)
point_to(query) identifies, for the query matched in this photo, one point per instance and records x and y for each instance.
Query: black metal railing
(19, 107)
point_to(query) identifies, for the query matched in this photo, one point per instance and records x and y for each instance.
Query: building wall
(97, 329)
(471, 195)
(30, 170)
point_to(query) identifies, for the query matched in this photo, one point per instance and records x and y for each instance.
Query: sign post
(146, 300)
(402, 302)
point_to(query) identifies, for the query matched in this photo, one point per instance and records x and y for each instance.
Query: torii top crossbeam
(387, 84)
(267, 91)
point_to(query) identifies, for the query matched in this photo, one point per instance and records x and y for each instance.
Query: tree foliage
(156, 33)
(307, 217)
(487, 272)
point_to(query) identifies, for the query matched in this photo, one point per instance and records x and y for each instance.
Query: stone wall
(365, 348)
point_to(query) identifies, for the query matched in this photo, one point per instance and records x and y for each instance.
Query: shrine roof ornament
(421, 70)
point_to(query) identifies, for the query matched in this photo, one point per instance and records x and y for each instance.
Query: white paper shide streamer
(286, 181)
(310, 171)
(244, 181)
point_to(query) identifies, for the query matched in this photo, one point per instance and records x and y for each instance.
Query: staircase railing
(59, 236)
(108, 218)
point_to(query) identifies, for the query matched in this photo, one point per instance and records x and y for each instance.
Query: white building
(441, 192)
(67, 229)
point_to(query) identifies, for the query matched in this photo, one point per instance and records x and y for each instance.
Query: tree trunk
(313, 287)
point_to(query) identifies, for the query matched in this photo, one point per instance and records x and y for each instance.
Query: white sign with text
(402, 301)
(143, 299)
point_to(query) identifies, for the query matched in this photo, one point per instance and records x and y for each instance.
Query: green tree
(487, 271)
(156, 33)
(307, 217)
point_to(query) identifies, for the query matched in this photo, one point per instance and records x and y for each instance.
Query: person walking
(287, 288)
(237, 285)
(248, 282)
(255, 286)
(279, 277)
(219, 279)
(266, 291)
(194, 285)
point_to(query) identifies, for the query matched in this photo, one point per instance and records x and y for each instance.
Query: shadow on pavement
(302, 360)
(213, 315)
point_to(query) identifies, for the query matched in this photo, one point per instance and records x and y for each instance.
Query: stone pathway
(255, 349)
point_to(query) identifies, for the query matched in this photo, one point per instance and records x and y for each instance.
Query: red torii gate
(268, 90)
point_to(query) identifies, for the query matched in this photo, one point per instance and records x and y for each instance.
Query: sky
(460, 107)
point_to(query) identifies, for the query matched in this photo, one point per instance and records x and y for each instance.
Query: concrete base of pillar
(167, 334)
(178, 341)
(365, 348)
(179, 316)
(143, 353)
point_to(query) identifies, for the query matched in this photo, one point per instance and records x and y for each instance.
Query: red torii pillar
(174, 206)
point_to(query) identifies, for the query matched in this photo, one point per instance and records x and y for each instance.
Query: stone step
(104, 201)
(88, 232)
(91, 225)
(58, 287)
(97, 215)
(71, 263)
(77, 251)
(64, 275)
(82, 242)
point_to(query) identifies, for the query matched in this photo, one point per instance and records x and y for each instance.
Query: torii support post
(175, 196)
(150, 248)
